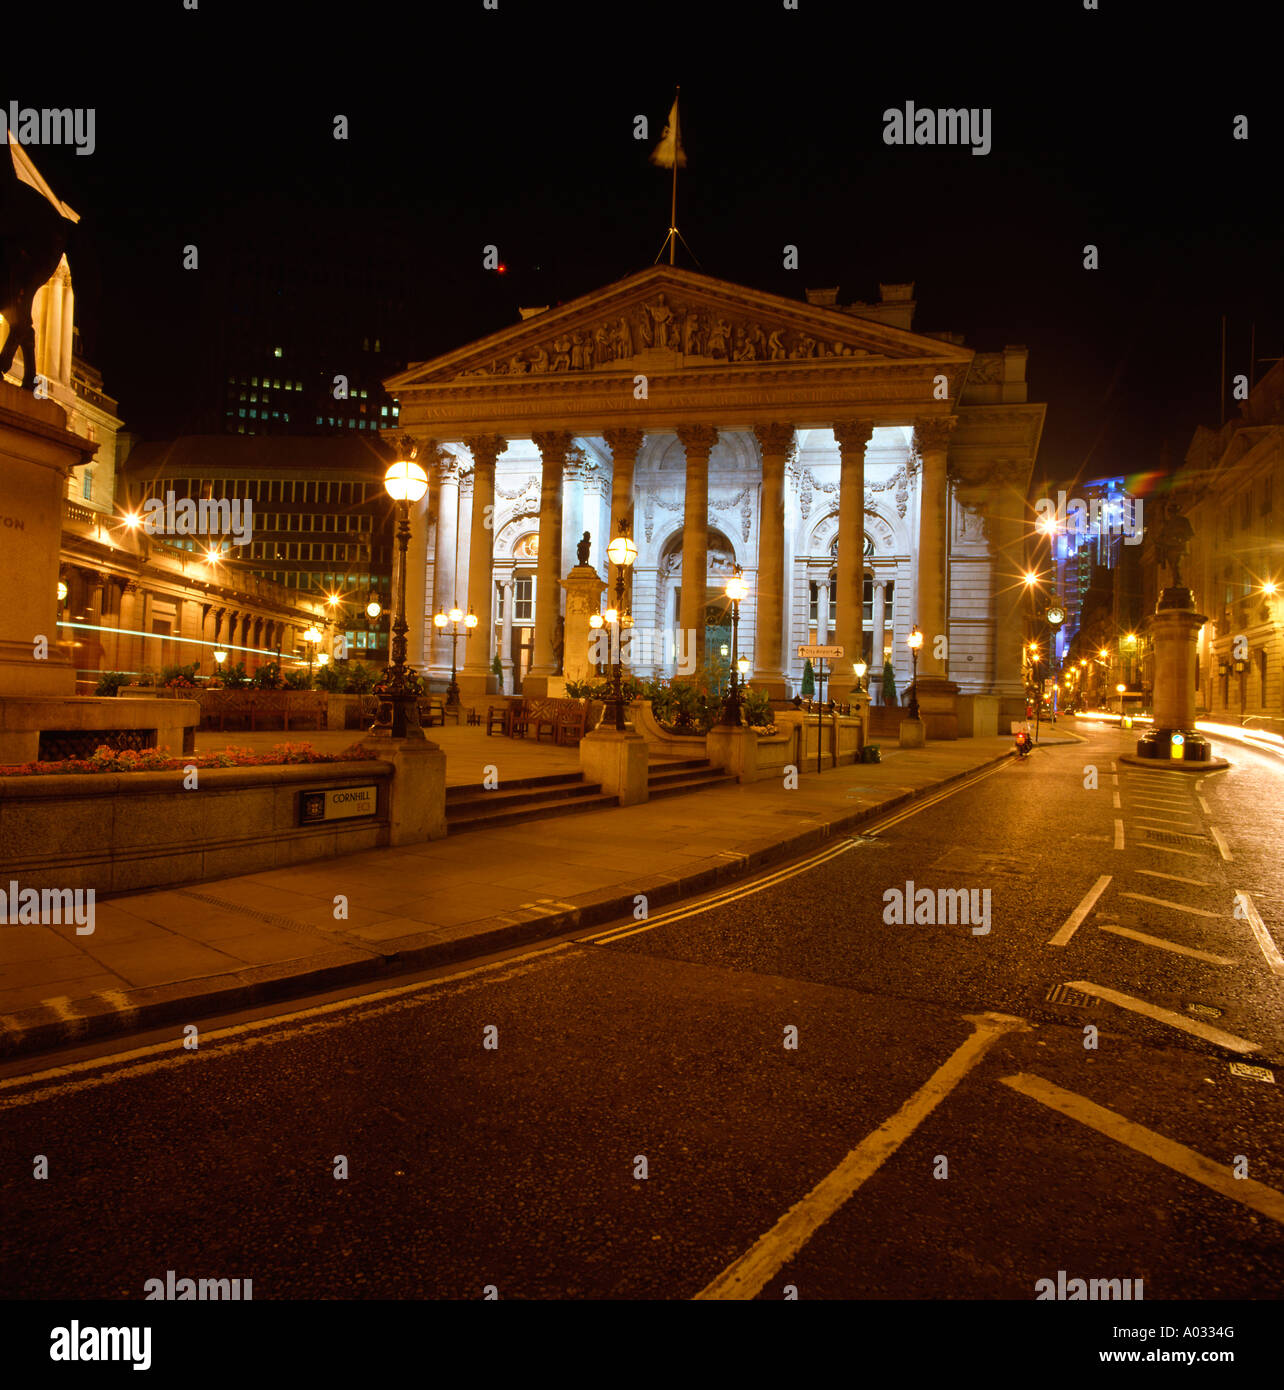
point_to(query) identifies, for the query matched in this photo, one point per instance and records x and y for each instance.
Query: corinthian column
(485, 449)
(698, 441)
(553, 446)
(624, 445)
(853, 437)
(775, 442)
(446, 475)
(937, 696)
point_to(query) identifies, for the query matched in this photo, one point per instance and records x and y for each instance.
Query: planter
(871, 753)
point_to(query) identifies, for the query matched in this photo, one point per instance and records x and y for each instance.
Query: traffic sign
(814, 653)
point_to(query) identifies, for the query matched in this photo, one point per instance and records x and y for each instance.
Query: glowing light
(914, 640)
(1269, 587)
(405, 481)
(132, 520)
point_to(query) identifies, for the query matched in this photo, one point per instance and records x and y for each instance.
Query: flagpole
(673, 206)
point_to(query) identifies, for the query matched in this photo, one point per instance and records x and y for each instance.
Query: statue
(36, 234)
(1172, 544)
(665, 325)
(582, 550)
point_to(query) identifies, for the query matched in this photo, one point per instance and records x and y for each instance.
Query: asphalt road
(950, 1124)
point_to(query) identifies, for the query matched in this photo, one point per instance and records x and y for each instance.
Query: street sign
(342, 803)
(814, 653)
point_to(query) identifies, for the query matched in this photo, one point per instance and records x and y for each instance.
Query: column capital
(624, 443)
(697, 439)
(552, 443)
(933, 431)
(446, 467)
(853, 434)
(775, 440)
(485, 448)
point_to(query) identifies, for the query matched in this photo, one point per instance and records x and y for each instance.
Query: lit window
(298, 386)
(254, 414)
(276, 352)
(524, 601)
(242, 412)
(254, 381)
(87, 486)
(384, 410)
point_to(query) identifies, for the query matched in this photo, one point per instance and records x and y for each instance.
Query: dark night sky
(515, 127)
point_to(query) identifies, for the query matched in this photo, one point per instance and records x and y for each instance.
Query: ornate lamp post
(736, 589)
(405, 483)
(220, 656)
(313, 638)
(914, 641)
(454, 618)
(622, 553)
(858, 670)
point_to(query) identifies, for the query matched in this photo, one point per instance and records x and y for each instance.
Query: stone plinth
(618, 761)
(584, 588)
(913, 733)
(938, 707)
(418, 809)
(37, 454)
(735, 749)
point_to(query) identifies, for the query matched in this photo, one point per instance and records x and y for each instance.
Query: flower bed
(106, 759)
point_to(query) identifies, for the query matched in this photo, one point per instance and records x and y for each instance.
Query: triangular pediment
(668, 319)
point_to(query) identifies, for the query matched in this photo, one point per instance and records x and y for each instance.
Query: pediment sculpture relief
(698, 333)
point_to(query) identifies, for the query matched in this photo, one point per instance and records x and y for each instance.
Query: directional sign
(814, 653)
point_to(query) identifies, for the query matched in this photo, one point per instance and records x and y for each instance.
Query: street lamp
(454, 618)
(858, 670)
(914, 641)
(220, 656)
(313, 638)
(405, 482)
(373, 609)
(736, 589)
(1119, 690)
(622, 553)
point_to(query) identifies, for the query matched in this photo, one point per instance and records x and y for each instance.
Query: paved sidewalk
(177, 954)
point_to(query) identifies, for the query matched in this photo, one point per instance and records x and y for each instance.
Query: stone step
(519, 796)
(493, 817)
(691, 784)
(467, 789)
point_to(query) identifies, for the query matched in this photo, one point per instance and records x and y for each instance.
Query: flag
(669, 151)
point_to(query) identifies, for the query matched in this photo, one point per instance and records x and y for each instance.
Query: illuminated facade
(865, 477)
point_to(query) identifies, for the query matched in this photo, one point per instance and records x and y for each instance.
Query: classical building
(867, 479)
(1227, 487)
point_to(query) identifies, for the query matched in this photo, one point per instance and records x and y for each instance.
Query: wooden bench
(265, 706)
(502, 717)
(565, 719)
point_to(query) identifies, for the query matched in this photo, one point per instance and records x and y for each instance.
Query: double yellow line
(745, 890)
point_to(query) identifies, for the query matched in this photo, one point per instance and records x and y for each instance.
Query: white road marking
(61, 1005)
(1071, 924)
(1119, 834)
(1264, 939)
(1220, 1179)
(1187, 1025)
(1161, 802)
(1177, 878)
(1117, 803)
(750, 1274)
(1166, 945)
(162, 1056)
(1221, 843)
(1165, 849)
(1177, 907)
(1169, 821)
(1203, 805)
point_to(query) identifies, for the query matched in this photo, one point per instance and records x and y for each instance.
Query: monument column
(446, 475)
(853, 437)
(775, 442)
(936, 694)
(624, 445)
(698, 441)
(67, 336)
(485, 449)
(553, 446)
